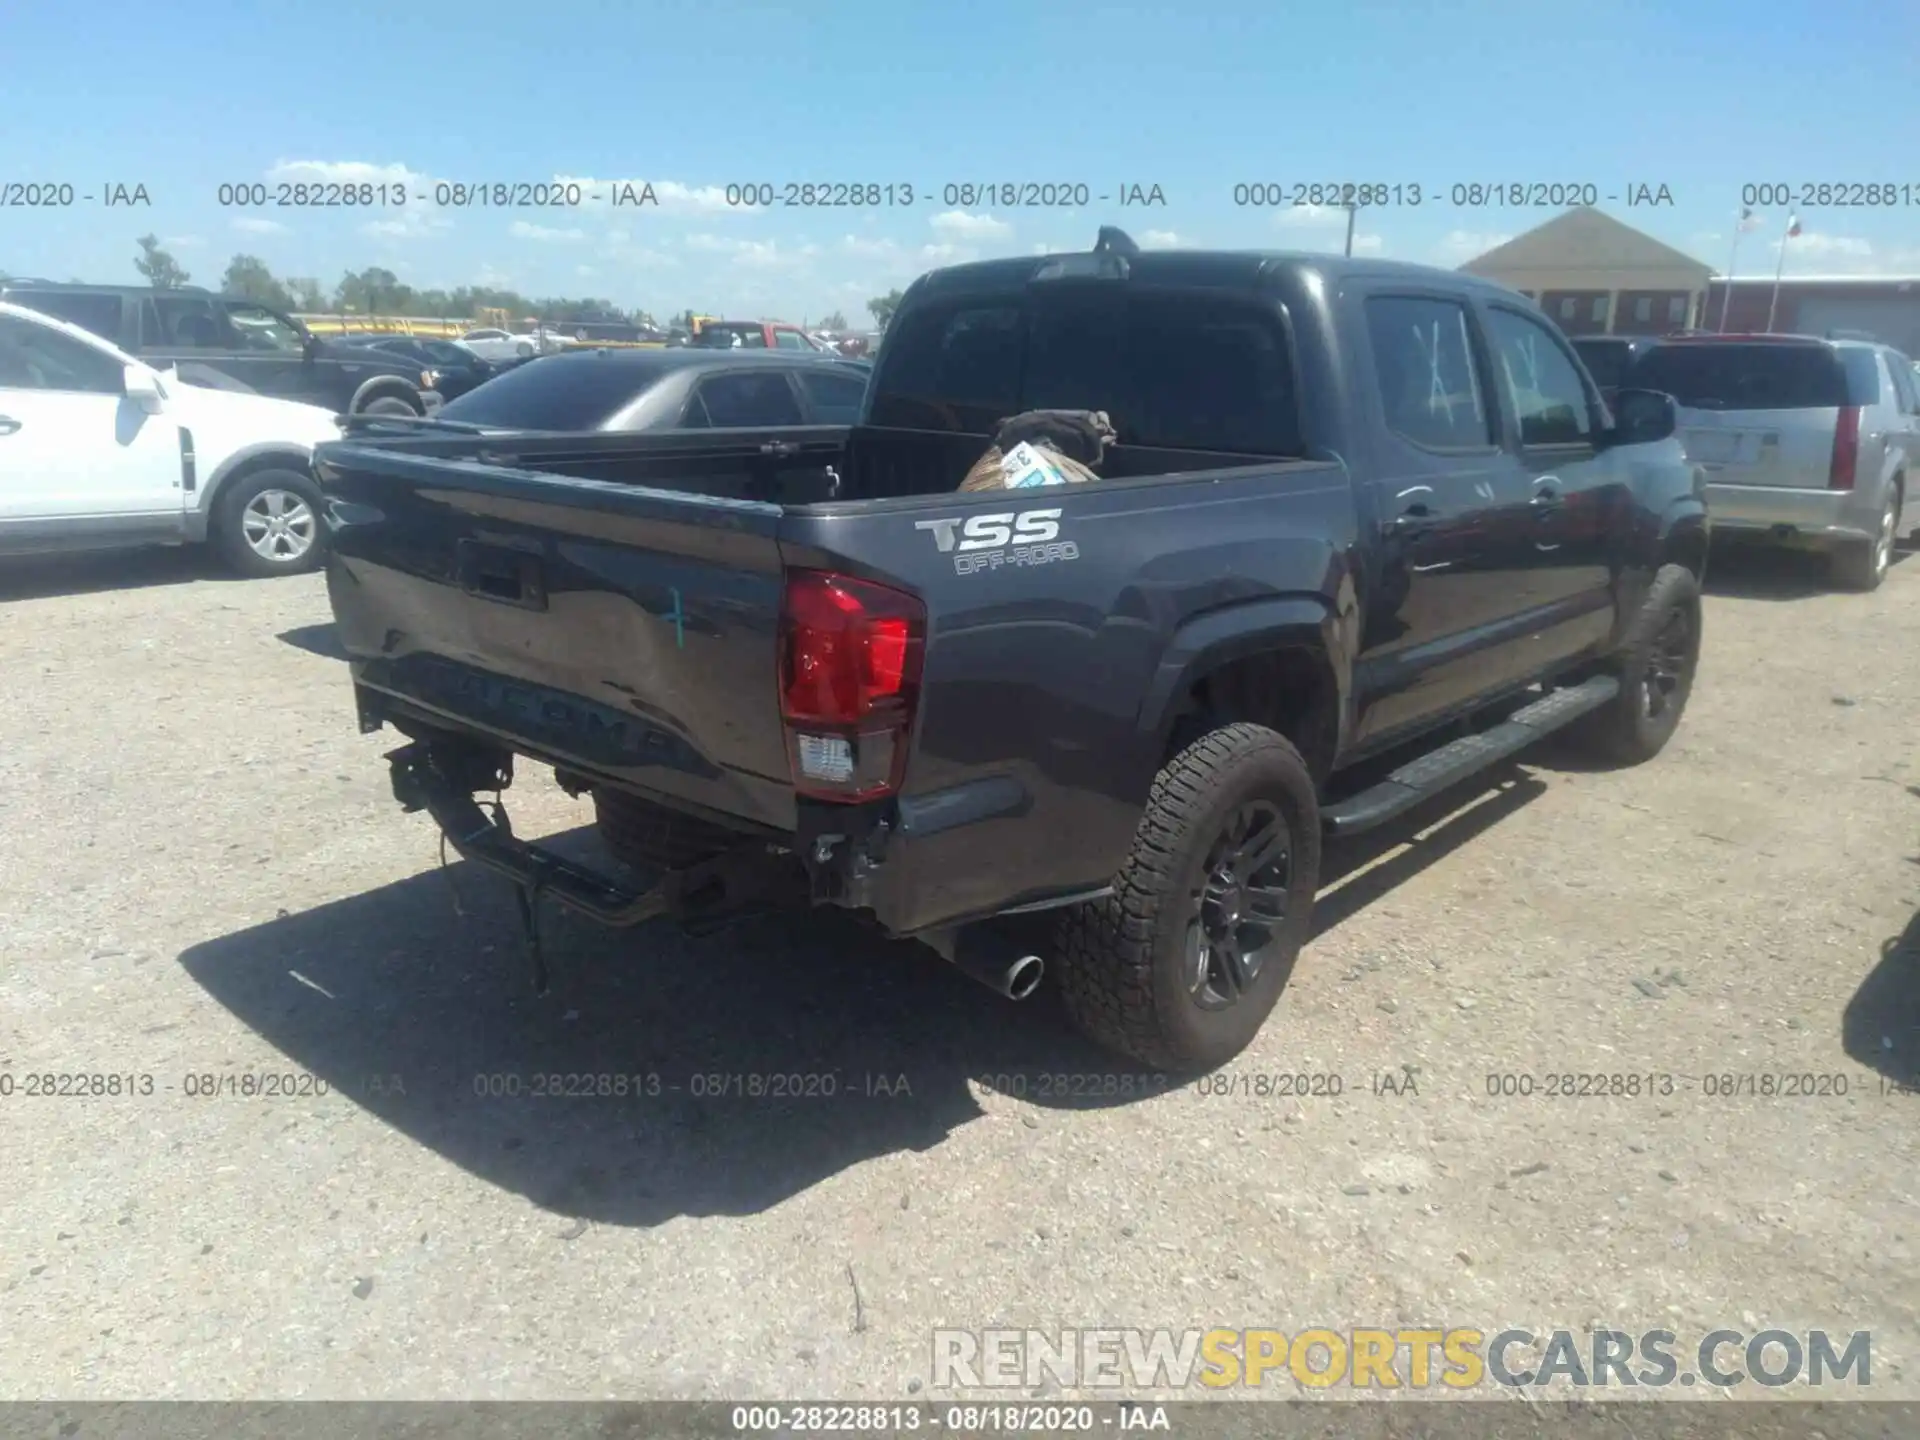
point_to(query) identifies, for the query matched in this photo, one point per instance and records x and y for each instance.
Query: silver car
(1808, 442)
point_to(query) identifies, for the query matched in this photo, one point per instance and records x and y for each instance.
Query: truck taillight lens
(850, 661)
(1846, 448)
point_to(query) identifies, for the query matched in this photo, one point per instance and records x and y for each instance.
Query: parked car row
(1808, 443)
(100, 448)
(223, 343)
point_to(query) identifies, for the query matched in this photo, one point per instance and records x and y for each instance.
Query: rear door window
(835, 398)
(1172, 371)
(1423, 364)
(750, 398)
(1733, 376)
(98, 313)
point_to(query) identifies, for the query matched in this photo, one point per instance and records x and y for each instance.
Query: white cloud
(415, 222)
(754, 254)
(1816, 253)
(872, 249)
(494, 278)
(1161, 240)
(526, 230)
(1460, 246)
(183, 242)
(1308, 217)
(343, 172)
(258, 225)
(1368, 245)
(1816, 245)
(948, 254)
(953, 225)
(585, 272)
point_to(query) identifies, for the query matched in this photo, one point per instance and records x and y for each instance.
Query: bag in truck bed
(1043, 447)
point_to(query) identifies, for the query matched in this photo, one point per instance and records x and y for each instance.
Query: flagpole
(1779, 270)
(1726, 296)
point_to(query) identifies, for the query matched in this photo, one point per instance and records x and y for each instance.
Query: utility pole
(1353, 212)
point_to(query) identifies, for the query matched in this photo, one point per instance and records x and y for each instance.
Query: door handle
(8, 425)
(1417, 519)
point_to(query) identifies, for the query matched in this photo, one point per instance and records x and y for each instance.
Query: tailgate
(1761, 447)
(622, 631)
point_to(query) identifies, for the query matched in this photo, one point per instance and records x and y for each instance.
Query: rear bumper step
(1439, 769)
(423, 779)
(442, 779)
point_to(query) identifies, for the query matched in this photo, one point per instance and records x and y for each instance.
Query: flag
(1793, 226)
(1749, 221)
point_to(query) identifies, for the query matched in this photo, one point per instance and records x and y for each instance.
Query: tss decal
(989, 532)
(987, 542)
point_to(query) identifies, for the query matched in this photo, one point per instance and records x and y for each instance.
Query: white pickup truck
(98, 451)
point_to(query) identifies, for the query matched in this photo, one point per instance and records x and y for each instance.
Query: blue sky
(1701, 98)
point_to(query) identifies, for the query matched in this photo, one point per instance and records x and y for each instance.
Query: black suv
(229, 344)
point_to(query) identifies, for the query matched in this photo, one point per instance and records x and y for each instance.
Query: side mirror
(142, 387)
(1641, 417)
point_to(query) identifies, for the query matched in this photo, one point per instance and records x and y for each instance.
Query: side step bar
(1435, 771)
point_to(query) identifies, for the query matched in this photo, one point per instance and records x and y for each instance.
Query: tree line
(376, 291)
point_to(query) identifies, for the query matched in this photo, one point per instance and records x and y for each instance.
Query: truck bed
(610, 604)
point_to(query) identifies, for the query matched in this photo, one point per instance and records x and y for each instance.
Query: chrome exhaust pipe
(980, 954)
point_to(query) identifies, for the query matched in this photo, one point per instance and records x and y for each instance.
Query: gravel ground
(202, 875)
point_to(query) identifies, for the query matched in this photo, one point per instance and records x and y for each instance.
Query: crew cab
(1367, 529)
(223, 343)
(99, 451)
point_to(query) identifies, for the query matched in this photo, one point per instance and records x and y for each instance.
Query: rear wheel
(389, 405)
(1655, 668)
(1864, 564)
(652, 837)
(1182, 964)
(268, 523)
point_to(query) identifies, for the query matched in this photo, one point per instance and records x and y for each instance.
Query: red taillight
(1846, 448)
(850, 658)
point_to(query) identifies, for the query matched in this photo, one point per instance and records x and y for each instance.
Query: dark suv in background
(1608, 357)
(229, 344)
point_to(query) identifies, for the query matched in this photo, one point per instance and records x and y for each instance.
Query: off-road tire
(228, 532)
(1624, 731)
(1121, 961)
(646, 836)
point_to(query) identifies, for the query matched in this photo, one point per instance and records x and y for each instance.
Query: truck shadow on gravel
(739, 1069)
(321, 640)
(36, 577)
(755, 1063)
(1880, 1027)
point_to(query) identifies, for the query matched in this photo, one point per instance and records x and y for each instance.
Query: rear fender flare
(1219, 637)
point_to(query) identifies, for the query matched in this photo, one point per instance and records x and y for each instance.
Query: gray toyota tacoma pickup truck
(1367, 528)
